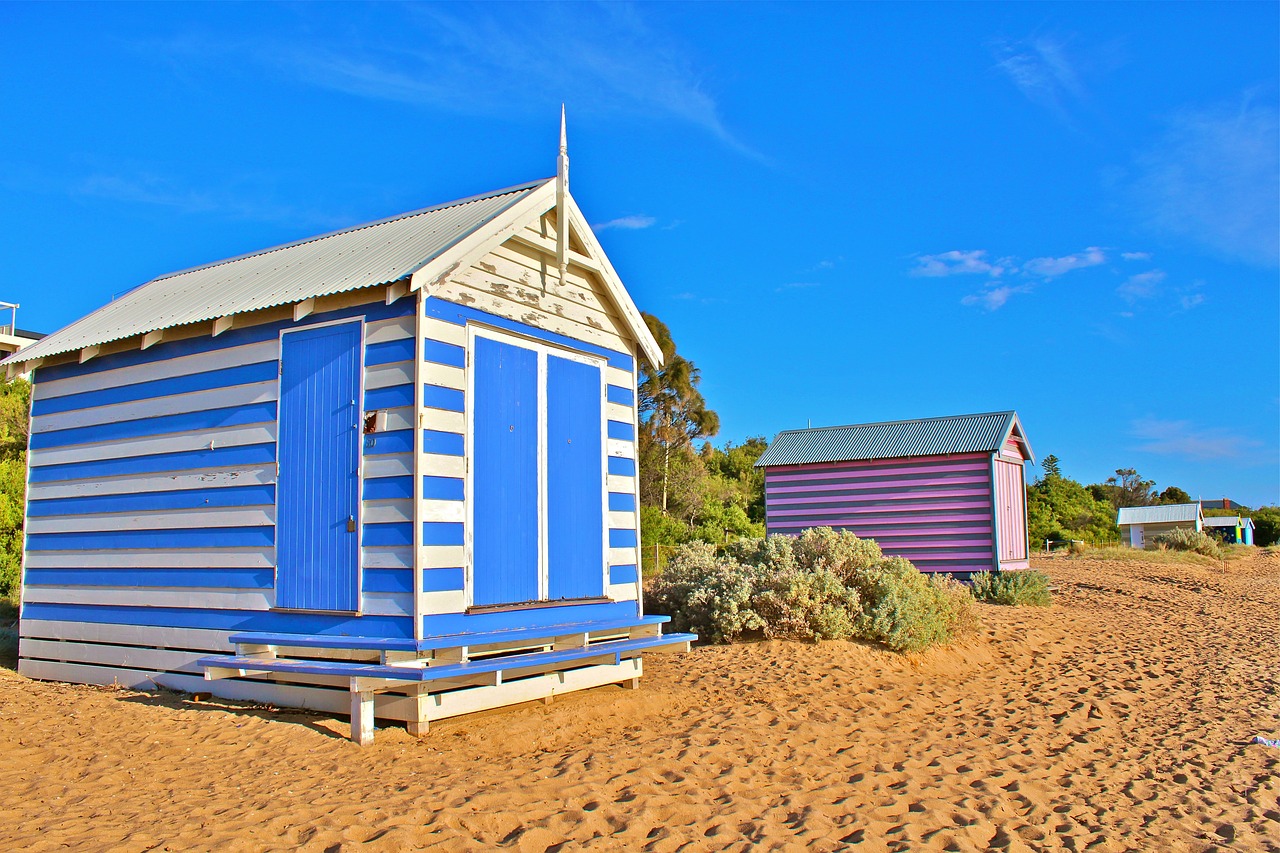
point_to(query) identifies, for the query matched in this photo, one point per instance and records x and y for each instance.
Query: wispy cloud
(1136, 256)
(599, 58)
(956, 262)
(1006, 276)
(1182, 438)
(1213, 178)
(231, 202)
(1041, 69)
(689, 296)
(995, 297)
(1190, 297)
(635, 222)
(1144, 285)
(796, 285)
(1054, 267)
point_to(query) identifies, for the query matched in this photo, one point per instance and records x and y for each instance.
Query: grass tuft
(1025, 588)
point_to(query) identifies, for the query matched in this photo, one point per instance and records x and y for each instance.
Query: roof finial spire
(562, 190)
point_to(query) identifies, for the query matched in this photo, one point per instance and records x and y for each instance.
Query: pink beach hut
(948, 494)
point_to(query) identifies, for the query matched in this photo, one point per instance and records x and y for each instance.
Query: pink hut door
(1011, 513)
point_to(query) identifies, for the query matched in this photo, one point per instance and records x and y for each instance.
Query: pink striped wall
(934, 510)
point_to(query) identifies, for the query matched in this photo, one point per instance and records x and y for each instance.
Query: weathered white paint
(165, 520)
(254, 476)
(171, 443)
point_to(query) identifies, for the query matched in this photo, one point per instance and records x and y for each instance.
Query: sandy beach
(1119, 719)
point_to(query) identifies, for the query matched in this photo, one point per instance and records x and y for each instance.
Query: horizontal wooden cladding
(935, 511)
(325, 699)
(925, 538)
(922, 466)
(226, 457)
(782, 490)
(903, 500)
(512, 282)
(899, 514)
(152, 492)
(250, 328)
(197, 483)
(528, 266)
(143, 500)
(230, 394)
(191, 639)
(374, 580)
(222, 619)
(445, 313)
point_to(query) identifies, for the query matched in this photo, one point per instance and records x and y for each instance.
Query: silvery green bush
(1186, 539)
(823, 584)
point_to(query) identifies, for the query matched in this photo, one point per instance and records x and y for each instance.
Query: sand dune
(1118, 719)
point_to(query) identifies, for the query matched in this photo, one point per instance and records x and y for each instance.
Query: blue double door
(318, 469)
(538, 485)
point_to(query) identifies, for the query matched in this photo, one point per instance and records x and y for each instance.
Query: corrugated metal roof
(362, 256)
(1222, 521)
(983, 433)
(1164, 514)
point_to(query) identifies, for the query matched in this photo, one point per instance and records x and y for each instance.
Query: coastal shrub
(1016, 589)
(805, 605)
(706, 593)
(1185, 539)
(823, 584)
(907, 610)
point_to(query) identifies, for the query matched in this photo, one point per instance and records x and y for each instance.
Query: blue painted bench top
(349, 669)
(439, 641)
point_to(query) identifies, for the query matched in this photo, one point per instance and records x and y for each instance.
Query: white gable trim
(509, 224)
(613, 283)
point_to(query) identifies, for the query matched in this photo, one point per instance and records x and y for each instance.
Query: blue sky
(845, 213)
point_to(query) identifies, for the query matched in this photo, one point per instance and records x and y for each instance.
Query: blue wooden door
(318, 479)
(505, 549)
(575, 480)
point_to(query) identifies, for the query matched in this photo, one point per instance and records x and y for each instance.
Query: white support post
(223, 324)
(361, 716)
(150, 339)
(419, 410)
(89, 352)
(303, 308)
(420, 726)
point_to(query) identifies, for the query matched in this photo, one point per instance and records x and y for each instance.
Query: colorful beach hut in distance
(1139, 524)
(389, 470)
(948, 493)
(1229, 528)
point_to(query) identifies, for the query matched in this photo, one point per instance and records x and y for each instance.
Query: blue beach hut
(389, 470)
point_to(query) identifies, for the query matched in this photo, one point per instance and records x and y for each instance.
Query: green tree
(15, 406)
(1266, 525)
(673, 412)
(736, 464)
(1126, 488)
(1051, 466)
(1174, 495)
(1059, 508)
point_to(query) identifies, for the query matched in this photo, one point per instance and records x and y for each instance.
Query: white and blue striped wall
(151, 499)
(444, 466)
(150, 531)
